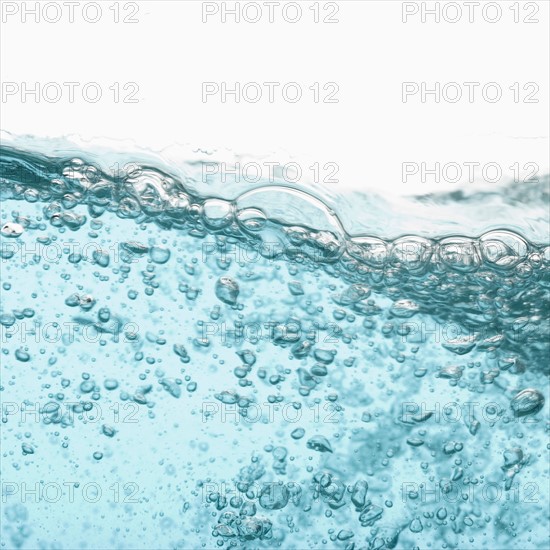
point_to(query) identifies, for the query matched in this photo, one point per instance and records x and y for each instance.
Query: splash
(248, 371)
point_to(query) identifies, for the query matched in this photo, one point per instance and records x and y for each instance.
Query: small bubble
(27, 449)
(110, 384)
(159, 255)
(319, 443)
(227, 290)
(22, 355)
(12, 229)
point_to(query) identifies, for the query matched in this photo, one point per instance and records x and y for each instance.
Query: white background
(369, 53)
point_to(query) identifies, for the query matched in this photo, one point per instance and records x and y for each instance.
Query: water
(181, 370)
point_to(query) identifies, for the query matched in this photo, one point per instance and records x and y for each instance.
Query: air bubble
(528, 401)
(298, 433)
(320, 444)
(159, 255)
(217, 213)
(227, 290)
(503, 248)
(12, 230)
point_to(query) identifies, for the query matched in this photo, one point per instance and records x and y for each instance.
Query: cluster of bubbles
(500, 273)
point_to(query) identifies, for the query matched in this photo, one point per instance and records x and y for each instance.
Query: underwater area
(190, 370)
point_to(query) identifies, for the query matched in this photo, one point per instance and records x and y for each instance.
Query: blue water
(182, 368)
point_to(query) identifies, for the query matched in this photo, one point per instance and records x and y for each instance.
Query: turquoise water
(181, 370)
